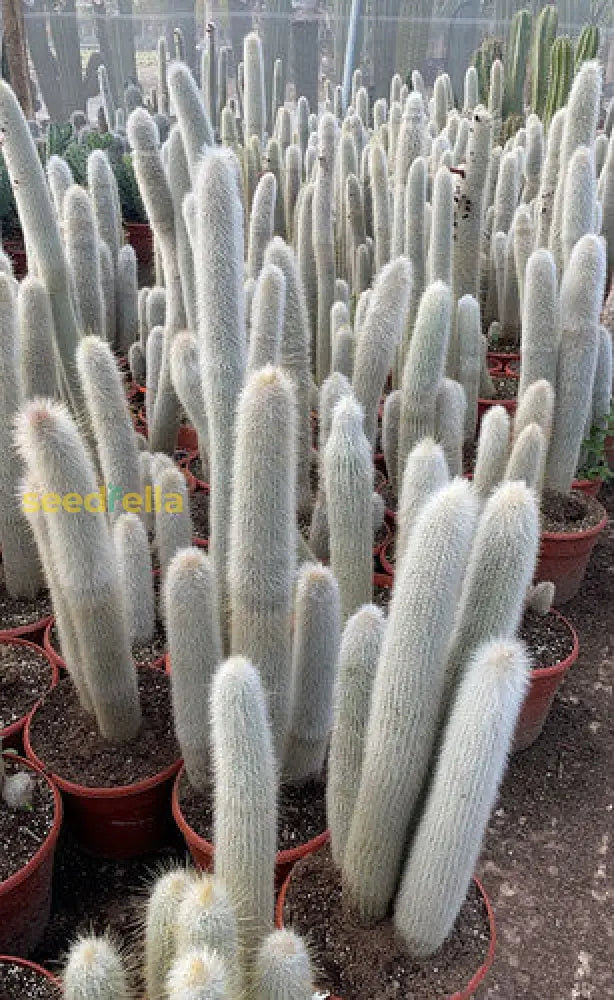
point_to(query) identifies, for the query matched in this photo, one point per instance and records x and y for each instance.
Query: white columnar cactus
(424, 369)
(358, 656)
(334, 388)
(221, 331)
(185, 373)
(469, 337)
(426, 472)
(314, 660)
(282, 969)
(527, 458)
(447, 841)
(536, 407)
(133, 556)
(261, 224)
(391, 418)
(578, 216)
(409, 683)
(55, 457)
(173, 521)
(324, 242)
(261, 564)
(81, 242)
(492, 451)
(379, 337)
(267, 319)
(348, 478)
(111, 421)
(550, 174)
(192, 116)
(470, 206)
(206, 919)
(37, 360)
(161, 927)
(244, 803)
(195, 650)
(60, 179)
(381, 205)
(541, 330)
(198, 975)
(254, 99)
(450, 408)
(94, 971)
(439, 264)
(581, 300)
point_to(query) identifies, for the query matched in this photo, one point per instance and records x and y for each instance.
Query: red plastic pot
(202, 851)
(497, 360)
(563, 558)
(187, 438)
(11, 737)
(590, 487)
(116, 823)
(609, 450)
(140, 236)
(387, 566)
(25, 897)
(32, 633)
(16, 250)
(485, 404)
(542, 689)
(478, 977)
(200, 485)
(38, 969)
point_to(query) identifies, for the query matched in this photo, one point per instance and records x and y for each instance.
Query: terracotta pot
(11, 737)
(33, 632)
(25, 897)
(497, 360)
(200, 485)
(11, 960)
(116, 823)
(478, 977)
(202, 851)
(16, 250)
(140, 236)
(542, 689)
(485, 404)
(187, 438)
(563, 558)
(590, 487)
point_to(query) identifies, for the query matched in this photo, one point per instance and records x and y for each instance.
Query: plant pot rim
(137, 225)
(289, 856)
(15, 727)
(563, 665)
(93, 791)
(26, 964)
(48, 845)
(478, 976)
(23, 631)
(587, 533)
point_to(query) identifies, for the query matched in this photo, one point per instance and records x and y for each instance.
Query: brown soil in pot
(24, 677)
(67, 741)
(144, 654)
(548, 638)
(569, 512)
(16, 612)
(505, 386)
(371, 963)
(199, 510)
(23, 831)
(383, 487)
(19, 982)
(301, 812)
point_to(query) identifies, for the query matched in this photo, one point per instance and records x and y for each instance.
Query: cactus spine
(94, 971)
(161, 927)
(283, 969)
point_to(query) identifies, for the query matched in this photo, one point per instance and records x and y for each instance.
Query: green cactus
(408, 682)
(560, 77)
(448, 838)
(587, 45)
(516, 60)
(546, 24)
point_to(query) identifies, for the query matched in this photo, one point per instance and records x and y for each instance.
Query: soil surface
(67, 740)
(505, 386)
(23, 831)
(199, 509)
(547, 859)
(301, 812)
(25, 675)
(372, 963)
(548, 638)
(18, 611)
(569, 512)
(18, 982)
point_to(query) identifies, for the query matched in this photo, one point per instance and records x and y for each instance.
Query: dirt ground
(546, 862)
